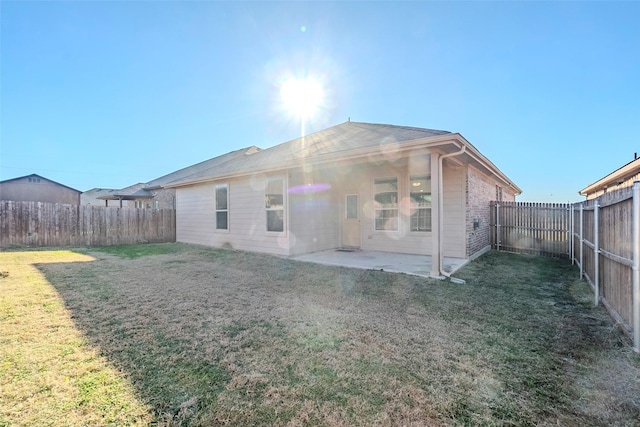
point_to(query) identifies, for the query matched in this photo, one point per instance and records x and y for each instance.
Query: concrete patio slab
(417, 265)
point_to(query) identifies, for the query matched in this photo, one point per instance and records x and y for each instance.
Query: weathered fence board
(36, 224)
(611, 275)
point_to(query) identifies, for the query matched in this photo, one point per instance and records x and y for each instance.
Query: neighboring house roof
(343, 141)
(616, 177)
(133, 192)
(93, 194)
(145, 190)
(33, 175)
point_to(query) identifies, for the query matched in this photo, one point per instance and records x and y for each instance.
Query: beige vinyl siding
(247, 217)
(195, 214)
(313, 220)
(453, 242)
(403, 240)
(313, 212)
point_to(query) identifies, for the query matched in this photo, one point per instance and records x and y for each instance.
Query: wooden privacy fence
(37, 224)
(605, 244)
(601, 236)
(531, 228)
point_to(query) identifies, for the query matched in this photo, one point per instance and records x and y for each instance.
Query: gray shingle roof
(342, 138)
(135, 191)
(206, 167)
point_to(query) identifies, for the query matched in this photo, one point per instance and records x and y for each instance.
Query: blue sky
(110, 93)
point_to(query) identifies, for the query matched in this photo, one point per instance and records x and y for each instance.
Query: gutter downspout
(441, 207)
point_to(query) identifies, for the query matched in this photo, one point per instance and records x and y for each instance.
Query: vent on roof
(253, 150)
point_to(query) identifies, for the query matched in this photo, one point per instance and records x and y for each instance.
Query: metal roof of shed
(41, 177)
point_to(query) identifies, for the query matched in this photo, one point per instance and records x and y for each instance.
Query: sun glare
(302, 97)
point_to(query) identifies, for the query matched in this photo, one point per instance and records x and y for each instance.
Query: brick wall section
(481, 190)
(166, 198)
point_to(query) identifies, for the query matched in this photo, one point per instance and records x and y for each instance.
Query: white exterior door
(351, 221)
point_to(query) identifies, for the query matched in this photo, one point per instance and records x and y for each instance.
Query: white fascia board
(625, 171)
(432, 142)
(321, 159)
(486, 163)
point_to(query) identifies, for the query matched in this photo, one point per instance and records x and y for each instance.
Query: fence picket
(34, 224)
(533, 228)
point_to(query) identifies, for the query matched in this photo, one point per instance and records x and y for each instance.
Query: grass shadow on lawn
(213, 337)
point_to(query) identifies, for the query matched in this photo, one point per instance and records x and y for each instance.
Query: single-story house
(622, 177)
(355, 185)
(36, 188)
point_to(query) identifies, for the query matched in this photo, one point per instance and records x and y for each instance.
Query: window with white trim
(386, 203)
(222, 207)
(420, 202)
(274, 204)
(351, 206)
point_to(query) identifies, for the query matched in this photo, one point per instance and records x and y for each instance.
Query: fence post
(581, 239)
(571, 255)
(636, 266)
(596, 253)
(497, 225)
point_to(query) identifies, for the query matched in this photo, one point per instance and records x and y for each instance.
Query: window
(156, 204)
(351, 206)
(420, 195)
(386, 203)
(222, 207)
(274, 204)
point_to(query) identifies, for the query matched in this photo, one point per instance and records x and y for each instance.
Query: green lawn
(177, 335)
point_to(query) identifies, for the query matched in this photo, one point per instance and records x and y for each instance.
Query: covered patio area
(417, 265)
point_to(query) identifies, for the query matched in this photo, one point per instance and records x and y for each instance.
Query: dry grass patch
(215, 337)
(49, 374)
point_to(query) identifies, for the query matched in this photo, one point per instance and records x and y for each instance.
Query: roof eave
(124, 197)
(426, 142)
(623, 173)
(487, 164)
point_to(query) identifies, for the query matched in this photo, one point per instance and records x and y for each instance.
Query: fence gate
(531, 228)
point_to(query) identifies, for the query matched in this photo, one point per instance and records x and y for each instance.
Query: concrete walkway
(417, 265)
